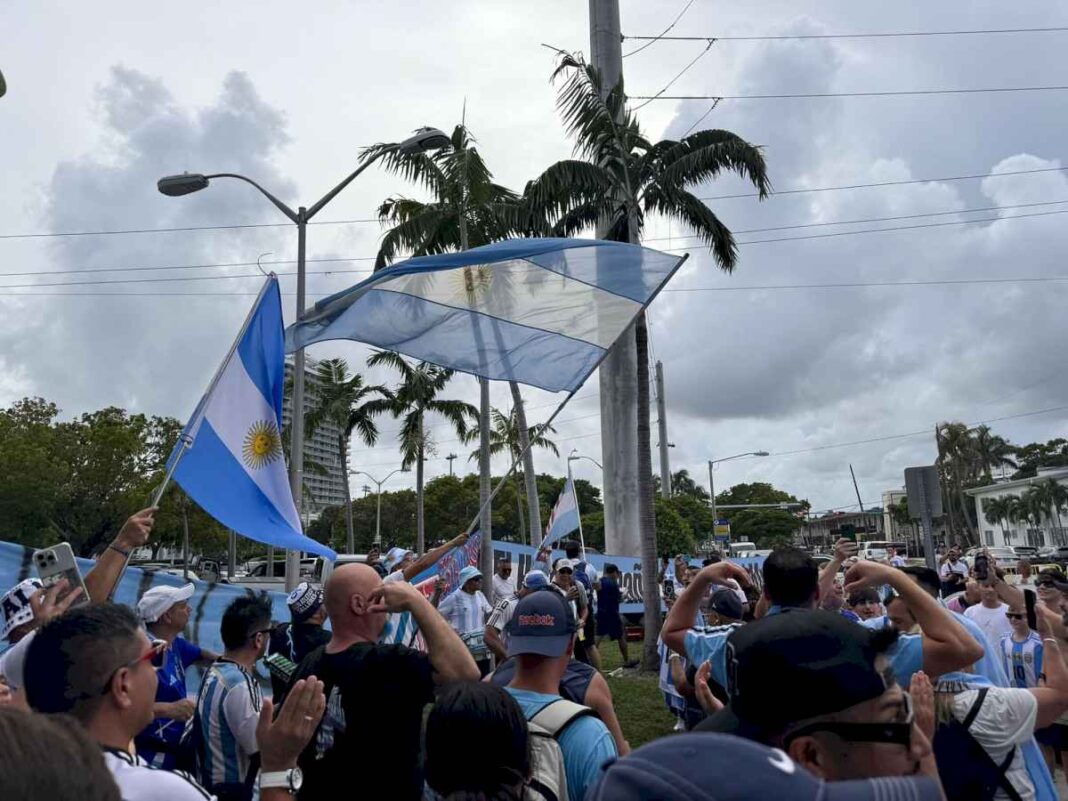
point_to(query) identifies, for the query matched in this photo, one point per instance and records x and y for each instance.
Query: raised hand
(721, 571)
(868, 574)
(282, 740)
(845, 549)
(47, 604)
(394, 596)
(705, 698)
(923, 704)
(136, 530)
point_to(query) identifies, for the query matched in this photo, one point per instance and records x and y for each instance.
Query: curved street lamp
(378, 484)
(424, 139)
(712, 483)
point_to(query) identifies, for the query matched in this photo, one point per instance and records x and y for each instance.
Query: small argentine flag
(232, 464)
(565, 516)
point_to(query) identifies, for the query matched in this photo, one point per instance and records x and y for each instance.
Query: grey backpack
(548, 781)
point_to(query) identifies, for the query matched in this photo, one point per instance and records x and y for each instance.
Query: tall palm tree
(414, 398)
(617, 178)
(467, 210)
(1034, 506)
(341, 398)
(958, 461)
(1053, 496)
(505, 437)
(991, 452)
(1003, 511)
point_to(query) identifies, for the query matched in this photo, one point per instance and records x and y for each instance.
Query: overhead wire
(122, 231)
(872, 35)
(654, 39)
(681, 72)
(890, 93)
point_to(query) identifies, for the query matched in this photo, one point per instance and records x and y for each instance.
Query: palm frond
(566, 184)
(419, 168)
(418, 235)
(601, 125)
(687, 208)
(705, 154)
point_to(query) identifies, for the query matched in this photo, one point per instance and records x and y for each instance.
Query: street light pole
(177, 185)
(378, 493)
(712, 482)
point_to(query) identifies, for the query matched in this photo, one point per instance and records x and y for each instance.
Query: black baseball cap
(719, 767)
(541, 624)
(795, 665)
(726, 603)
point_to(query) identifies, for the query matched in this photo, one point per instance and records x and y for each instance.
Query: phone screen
(982, 567)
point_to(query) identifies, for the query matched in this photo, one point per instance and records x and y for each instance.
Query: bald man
(376, 693)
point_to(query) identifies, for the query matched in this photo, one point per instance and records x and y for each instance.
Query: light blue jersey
(1023, 660)
(227, 711)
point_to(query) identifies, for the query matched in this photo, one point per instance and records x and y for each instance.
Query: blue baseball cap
(542, 624)
(721, 767)
(469, 573)
(535, 580)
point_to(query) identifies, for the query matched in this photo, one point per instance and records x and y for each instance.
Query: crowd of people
(857, 681)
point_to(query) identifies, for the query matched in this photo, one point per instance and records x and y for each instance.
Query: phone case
(56, 563)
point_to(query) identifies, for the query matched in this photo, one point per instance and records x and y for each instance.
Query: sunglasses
(154, 653)
(1015, 615)
(1049, 585)
(894, 732)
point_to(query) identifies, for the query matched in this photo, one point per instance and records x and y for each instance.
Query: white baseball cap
(564, 564)
(157, 600)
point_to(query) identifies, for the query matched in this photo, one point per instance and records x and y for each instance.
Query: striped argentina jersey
(1023, 660)
(226, 715)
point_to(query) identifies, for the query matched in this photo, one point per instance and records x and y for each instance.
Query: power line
(889, 35)
(895, 93)
(191, 267)
(857, 284)
(655, 39)
(682, 72)
(103, 282)
(121, 231)
(868, 220)
(800, 191)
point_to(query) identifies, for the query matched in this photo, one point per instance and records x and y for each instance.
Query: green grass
(639, 703)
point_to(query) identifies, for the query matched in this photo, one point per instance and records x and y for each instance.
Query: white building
(891, 498)
(321, 448)
(1021, 532)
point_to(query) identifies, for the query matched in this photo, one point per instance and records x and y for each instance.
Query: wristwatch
(291, 780)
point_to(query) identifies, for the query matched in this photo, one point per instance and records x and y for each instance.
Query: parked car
(1025, 551)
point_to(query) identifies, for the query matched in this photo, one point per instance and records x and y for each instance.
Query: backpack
(967, 771)
(548, 779)
(581, 577)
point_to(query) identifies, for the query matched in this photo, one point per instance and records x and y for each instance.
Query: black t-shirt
(295, 641)
(573, 684)
(373, 721)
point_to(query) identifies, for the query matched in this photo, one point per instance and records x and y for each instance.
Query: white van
(741, 548)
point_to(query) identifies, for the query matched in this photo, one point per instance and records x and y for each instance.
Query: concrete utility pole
(618, 376)
(661, 413)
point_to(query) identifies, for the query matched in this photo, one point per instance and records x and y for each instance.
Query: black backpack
(967, 771)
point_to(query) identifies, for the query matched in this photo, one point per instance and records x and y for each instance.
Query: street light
(712, 483)
(573, 458)
(378, 484)
(422, 140)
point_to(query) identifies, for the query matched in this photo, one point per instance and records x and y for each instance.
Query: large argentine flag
(542, 312)
(233, 465)
(565, 515)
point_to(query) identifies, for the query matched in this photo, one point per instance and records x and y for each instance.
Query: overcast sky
(104, 98)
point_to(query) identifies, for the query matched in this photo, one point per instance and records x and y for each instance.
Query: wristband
(117, 549)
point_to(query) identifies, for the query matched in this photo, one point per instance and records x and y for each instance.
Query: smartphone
(848, 532)
(1032, 618)
(56, 563)
(981, 567)
(669, 588)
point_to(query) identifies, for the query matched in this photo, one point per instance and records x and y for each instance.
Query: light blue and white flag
(542, 312)
(564, 517)
(233, 465)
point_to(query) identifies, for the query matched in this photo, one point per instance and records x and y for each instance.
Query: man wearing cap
(542, 639)
(680, 769)
(466, 610)
(821, 688)
(496, 635)
(564, 583)
(304, 633)
(165, 613)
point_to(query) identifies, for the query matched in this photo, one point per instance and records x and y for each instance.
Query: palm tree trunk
(519, 508)
(646, 509)
(529, 478)
(350, 541)
(972, 534)
(485, 522)
(420, 542)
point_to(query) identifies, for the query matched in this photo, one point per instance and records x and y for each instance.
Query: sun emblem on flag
(262, 445)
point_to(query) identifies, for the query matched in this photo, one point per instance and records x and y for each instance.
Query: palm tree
(1034, 506)
(1002, 511)
(1053, 497)
(505, 438)
(341, 398)
(467, 210)
(957, 460)
(617, 178)
(413, 399)
(991, 452)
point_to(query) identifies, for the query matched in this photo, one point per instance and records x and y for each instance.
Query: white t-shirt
(138, 781)
(466, 611)
(1005, 720)
(953, 567)
(993, 623)
(13, 661)
(503, 587)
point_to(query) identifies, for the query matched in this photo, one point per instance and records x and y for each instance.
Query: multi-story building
(322, 487)
(1006, 533)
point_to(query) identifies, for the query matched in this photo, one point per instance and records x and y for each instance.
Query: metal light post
(378, 486)
(422, 140)
(572, 458)
(712, 481)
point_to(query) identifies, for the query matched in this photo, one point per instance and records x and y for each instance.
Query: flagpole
(187, 439)
(578, 512)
